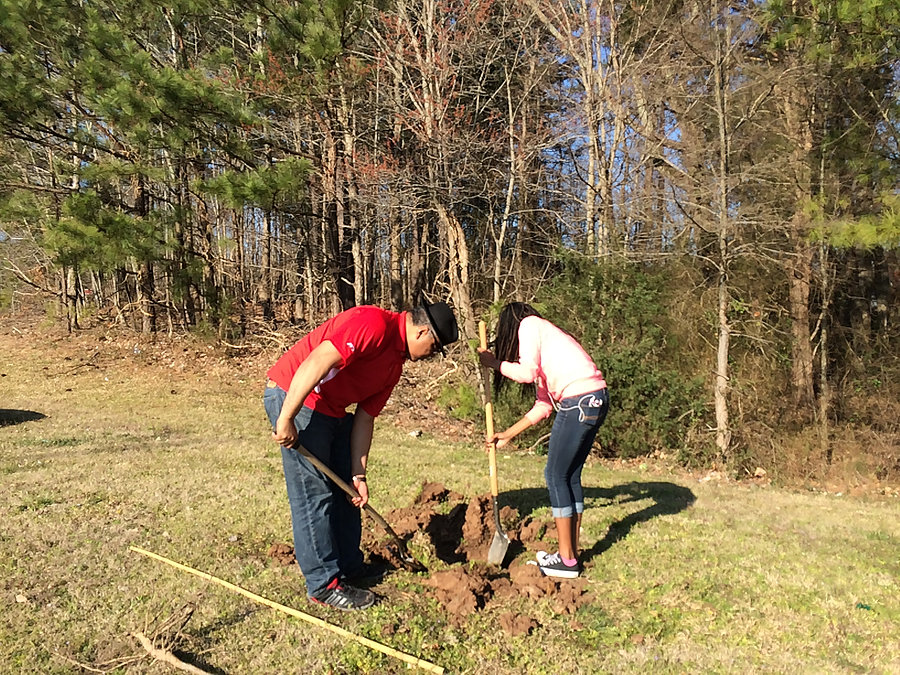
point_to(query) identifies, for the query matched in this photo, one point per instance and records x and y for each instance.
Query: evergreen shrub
(462, 401)
(617, 310)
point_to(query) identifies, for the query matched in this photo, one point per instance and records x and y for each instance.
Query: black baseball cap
(442, 322)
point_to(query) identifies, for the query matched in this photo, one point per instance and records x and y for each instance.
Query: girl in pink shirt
(530, 349)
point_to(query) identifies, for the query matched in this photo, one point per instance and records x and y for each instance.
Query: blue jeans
(573, 433)
(326, 526)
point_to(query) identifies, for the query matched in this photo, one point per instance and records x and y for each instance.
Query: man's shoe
(343, 597)
(368, 574)
(553, 566)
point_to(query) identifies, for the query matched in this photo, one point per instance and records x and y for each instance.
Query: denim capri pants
(577, 420)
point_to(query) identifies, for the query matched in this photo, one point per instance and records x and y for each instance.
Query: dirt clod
(435, 493)
(517, 624)
(283, 554)
(530, 582)
(460, 591)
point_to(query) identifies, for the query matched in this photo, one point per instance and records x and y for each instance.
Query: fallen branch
(24, 278)
(543, 438)
(83, 666)
(104, 668)
(446, 374)
(85, 364)
(166, 656)
(231, 346)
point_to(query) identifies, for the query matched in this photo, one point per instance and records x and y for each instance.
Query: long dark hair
(506, 344)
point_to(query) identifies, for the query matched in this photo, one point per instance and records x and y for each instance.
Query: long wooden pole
(489, 414)
(500, 543)
(384, 649)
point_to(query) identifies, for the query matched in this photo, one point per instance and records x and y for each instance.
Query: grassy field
(104, 446)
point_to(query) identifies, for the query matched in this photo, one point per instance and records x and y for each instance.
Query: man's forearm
(361, 441)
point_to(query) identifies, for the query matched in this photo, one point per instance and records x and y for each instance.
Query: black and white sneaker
(552, 565)
(343, 597)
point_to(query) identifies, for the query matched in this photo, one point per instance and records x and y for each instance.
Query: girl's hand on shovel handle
(488, 360)
(497, 441)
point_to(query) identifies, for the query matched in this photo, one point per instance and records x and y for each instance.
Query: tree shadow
(666, 499)
(10, 417)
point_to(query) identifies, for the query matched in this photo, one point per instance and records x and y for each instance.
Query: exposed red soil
(460, 535)
(283, 554)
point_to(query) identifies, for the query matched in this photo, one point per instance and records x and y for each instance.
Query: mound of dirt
(460, 535)
(465, 589)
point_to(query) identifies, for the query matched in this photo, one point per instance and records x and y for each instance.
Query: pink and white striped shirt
(555, 362)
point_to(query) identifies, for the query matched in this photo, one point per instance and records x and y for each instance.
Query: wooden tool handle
(489, 414)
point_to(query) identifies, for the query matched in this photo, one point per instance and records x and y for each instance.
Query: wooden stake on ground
(384, 649)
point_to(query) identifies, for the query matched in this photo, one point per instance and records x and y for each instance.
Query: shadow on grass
(666, 499)
(209, 631)
(198, 662)
(10, 417)
(206, 635)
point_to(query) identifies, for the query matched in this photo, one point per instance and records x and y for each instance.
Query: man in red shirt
(355, 357)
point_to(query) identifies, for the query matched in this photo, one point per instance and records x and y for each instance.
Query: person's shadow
(665, 499)
(10, 417)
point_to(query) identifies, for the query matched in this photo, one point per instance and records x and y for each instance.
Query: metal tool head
(497, 551)
(500, 542)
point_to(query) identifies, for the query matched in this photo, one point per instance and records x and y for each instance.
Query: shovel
(500, 542)
(408, 561)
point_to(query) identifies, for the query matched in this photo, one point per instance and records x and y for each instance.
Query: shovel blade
(411, 564)
(497, 551)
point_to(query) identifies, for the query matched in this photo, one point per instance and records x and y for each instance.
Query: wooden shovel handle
(489, 414)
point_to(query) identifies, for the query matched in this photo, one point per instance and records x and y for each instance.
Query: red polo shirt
(372, 345)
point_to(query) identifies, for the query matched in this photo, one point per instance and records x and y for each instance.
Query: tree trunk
(396, 252)
(800, 271)
(500, 239)
(723, 384)
(415, 276)
(264, 281)
(146, 289)
(799, 122)
(354, 268)
(146, 283)
(824, 409)
(69, 295)
(458, 269)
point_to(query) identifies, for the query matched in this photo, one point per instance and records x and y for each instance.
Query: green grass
(686, 576)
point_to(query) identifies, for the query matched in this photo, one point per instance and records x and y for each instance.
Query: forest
(704, 192)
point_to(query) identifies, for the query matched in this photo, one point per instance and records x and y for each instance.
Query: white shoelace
(552, 559)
